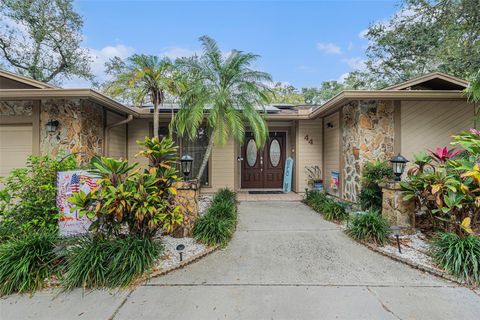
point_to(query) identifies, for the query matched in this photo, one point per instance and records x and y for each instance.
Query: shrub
(213, 230)
(109, 262)
(316, 199)
(371, 194)
(143, 201)
(369, 226)
(25, 263)
(217, 226)
(333, 210)
(460, 256)
(28, 199)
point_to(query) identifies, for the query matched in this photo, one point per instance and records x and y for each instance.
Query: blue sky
(300, 42)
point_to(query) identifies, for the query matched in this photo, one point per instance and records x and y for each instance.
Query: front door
(263, 168)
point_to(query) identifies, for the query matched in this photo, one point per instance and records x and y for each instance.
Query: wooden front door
(263, 168)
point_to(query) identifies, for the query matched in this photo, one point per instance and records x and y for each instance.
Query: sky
(302, 43)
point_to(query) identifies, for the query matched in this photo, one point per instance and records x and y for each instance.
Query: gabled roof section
(10, 80)
(431, 81)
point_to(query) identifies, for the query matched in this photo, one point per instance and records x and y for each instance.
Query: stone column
(187, 199)
(399, 212)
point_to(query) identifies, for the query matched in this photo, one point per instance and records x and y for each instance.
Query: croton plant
(445, 183)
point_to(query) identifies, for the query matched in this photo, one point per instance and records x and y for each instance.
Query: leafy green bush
(369, 226)
(371, 194)
(28, 199)
(333, 210)
(316, 199)
(460, 256)
(25, 263)
(217, 226)
(109, 262)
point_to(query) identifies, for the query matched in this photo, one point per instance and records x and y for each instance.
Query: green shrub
(369, 226)
(28, 199)
(460, 256)
(316, 199)
(217, 226)
(109, 262)
(371, 194)
(25, 263)
(333, 210)
(213, 230)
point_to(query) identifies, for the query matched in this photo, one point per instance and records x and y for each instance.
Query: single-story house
(339, 136)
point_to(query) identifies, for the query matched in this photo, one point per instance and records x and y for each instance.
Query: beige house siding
(307, 154)
(430, 124)
(138, 129)
(117, 137)
(332, 150)
(222, 173)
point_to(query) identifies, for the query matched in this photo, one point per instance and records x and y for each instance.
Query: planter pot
(318, 185)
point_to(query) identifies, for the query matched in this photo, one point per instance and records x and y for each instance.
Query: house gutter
(106, 143)
(349, 95)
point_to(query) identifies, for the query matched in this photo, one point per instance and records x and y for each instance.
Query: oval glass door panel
(275, 152)
(251, 152)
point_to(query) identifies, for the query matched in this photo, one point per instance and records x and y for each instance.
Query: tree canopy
(41, 39)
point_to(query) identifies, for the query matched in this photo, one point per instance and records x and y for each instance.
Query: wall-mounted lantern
(52, 125)
(398, 166)
(186, 162)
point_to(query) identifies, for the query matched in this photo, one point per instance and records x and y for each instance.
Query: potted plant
(315, 179)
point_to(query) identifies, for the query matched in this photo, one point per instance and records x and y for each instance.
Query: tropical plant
(26, 263)
(109, 262)
(371, 194)
(314, 174)
(334, 210)
(442, 155)
(369, 226)
(143, 201)
(473, 90)
(28, 198)
(142, 79)
(227, 92)
(316, 199)
(217, 226)
(460, 256)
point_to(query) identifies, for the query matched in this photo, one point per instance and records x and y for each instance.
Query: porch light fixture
(398, 166)
(52, 125)
(396, 233)
(180, 249)
(186, 162)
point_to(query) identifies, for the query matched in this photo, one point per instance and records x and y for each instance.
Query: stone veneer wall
(81, 127)
(16, 108)
(368, 135)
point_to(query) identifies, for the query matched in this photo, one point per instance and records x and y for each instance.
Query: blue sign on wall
(287, 176)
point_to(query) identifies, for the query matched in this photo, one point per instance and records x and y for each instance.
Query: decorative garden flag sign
(68, 182)
(287, 177)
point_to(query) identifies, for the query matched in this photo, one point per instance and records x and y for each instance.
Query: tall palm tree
(224, 93)
(142, 79)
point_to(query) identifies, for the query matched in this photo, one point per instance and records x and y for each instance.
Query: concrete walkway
(285, 262)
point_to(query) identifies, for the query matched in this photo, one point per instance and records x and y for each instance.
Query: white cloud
(329, 48)
(356, 63)
(99, 58)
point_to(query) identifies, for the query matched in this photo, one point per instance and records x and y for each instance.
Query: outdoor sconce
(180, 249)
(398, 166)
(186, 162)
(396, 233)
(52, 125)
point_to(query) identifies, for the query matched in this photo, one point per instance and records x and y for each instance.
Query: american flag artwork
(75, 183)
(68, 182)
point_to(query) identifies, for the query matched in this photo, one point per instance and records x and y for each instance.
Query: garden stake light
(396, 233)
(398, 165)
(180, 249)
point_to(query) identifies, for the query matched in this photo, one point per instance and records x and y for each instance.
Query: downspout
(107, 132)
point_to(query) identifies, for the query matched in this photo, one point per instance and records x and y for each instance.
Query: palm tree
(224, 93)
(142, 79)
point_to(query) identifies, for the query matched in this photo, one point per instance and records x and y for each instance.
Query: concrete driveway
(285, 262)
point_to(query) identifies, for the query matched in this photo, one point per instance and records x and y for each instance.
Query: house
(339, 136)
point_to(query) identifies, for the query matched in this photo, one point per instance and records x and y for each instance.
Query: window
(196, 149)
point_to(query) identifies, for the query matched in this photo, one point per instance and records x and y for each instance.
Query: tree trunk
(155, 119)
(206, 156)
